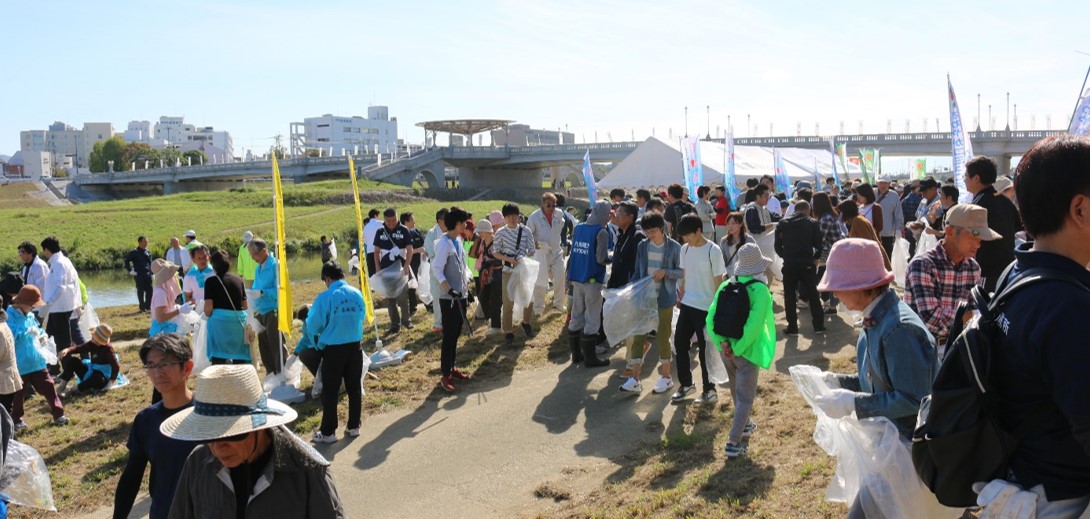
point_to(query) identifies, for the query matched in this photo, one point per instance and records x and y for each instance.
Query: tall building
(346, 135)
(62, 140)
(174, 131)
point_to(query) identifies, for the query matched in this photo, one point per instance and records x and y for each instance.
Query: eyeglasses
(160, 367)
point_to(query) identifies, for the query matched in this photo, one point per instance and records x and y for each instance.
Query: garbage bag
(363, 375)
(423, 281)
(630, 310)
(899, 261)
(25, 480)
(926, 243)
(200, 348)
(187, 323)
(389, 282)
(716, 366)
(48, 349)
(767, 244)
(873, 462)
(520, 285)
(89, 318)
(289, 376)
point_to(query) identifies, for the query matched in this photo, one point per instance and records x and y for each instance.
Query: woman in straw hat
(272, 473)
(32, 367)
(166, 291)
(754, 349)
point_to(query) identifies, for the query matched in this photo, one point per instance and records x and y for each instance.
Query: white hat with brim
(749, 261)
(228, 401)
(483, 226)
(162, 271)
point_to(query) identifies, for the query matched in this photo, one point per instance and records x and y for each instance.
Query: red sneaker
(447, 384)
(458, 375)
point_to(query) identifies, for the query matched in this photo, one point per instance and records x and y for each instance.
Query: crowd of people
(714, 266)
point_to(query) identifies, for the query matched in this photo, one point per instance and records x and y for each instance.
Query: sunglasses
(231, 439)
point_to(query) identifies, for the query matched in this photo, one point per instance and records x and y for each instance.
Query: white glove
(34, 331)
(394, 252)
(831, 379)
(838, 403)
(1005, 500)
(132, 273)
(253, 294)
(185, 309)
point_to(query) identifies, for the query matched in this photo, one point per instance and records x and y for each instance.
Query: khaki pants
(662, 340)
(506, 319)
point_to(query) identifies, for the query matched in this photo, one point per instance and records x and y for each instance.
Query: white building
(338, 135)
(62, 140)
(176, 133)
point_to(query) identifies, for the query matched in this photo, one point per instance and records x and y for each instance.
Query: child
(100, 373)
(586, 272)
(658, 256)
(702, 262)
(754, 349)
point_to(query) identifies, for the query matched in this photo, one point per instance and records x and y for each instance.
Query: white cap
(247, 236)
(191, 234)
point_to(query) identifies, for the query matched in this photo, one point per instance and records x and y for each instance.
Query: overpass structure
(522, 166)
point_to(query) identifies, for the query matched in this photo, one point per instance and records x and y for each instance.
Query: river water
(107, 288)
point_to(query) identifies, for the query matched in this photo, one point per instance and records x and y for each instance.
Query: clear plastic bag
(899, 261)
(200, 348)
(290, 375)
(389, 282)
(716, 366)
(926, 243)
(25, 479)
(363, 375)
(48, 349)
(88, 320)
(187, 323)
(873, 462)
(520, 284)
(630, 310)
(423, 281)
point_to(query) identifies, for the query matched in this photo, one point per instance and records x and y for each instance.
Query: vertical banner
(588, 177)
(962, 147)
(842, 154)
(817, 177)
(783, 182)
(866, 163)
(832, 150)
(728, 176)
(283, 282)
(365, 283)
(694, 169)
(877, 163)
(921, 169)
(1080, 121)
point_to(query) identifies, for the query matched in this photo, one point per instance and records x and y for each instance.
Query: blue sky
(617, 68)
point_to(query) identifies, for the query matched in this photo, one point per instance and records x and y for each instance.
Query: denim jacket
(896, 364)
(671, 263)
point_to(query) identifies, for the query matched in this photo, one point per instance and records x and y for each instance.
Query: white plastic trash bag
(290, 375)
(88, 320)
(48, 348)
(423, 281)
(25, 481)
(873, 462)
(389, 282)
(520, 284)
(630, 310)
(926, 243)
(200, 348)
(363, 374)
(899, 261)
(716, 366)
(187, 323)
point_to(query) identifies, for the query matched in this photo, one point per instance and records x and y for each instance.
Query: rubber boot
(573, 343)
(590, 359)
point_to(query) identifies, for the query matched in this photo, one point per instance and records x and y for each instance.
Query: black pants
(343, 362)
(491, 295)
(414, 265)
(371, 264)
(887, 243)
(59, 327)
(690, 321)
(143, 292)
(311, 358)
(911, 237)
(7, 401)
(828, 297)
(454, 314)
(71, 365)
(801, 278)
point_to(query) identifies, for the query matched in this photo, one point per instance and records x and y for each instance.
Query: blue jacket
(27, 357)
(896, 362)
(337, 315)
(671, 263)
(306, 340)
(265, 281)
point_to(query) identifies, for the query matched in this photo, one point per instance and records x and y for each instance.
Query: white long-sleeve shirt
(546, 231)
(61, 290)
(36, 272)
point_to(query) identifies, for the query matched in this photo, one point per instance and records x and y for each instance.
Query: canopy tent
(656, 163)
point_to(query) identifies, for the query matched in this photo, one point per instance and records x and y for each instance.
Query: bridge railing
(239, 166)
(895, 138)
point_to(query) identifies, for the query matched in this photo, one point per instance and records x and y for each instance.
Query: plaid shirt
(934, 286)
(909, 205)
(832, 231)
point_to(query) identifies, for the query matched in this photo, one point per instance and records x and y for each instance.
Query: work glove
(394, 253)
(831, 379)
(454, 293)
(132, 273)
(34, 331)
(185, 309)
(837, 404)
(1005, 500)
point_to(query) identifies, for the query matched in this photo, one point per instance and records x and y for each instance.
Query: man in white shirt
(369, 231)
(61, 292)
(195, 277)
(34, 268)
(175, 254)
(190, 244)
(547, 224)
(774, 204)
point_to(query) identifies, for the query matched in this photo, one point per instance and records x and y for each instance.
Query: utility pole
(978, 112)
(708, 113)
(686, 122)
(1008, 111)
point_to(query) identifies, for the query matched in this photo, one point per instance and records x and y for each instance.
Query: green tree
(97, 162)
(138, 152)
(196, 156)
(105, 151)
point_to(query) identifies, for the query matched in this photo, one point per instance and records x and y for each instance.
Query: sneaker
(60, 420)
(447, 383)
(408, 326)
(820, 330)
(352, 432)
(734, 450)
(393, 330)
(663, 385)
(509, 338)
(748, 429)
(791, 330)
(681, 393)
(458, 375)
(529, 331)
(708, 397)
(631, 385)
(21, 426)
(321, 438)
(829, 310)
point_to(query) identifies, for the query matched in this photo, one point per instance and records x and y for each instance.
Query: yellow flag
(283, 282)
(365, 284)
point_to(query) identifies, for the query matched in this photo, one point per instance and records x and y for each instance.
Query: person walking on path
(745, 356)
(1003, 218)
(34, 269)
(225, 304)
(138, 264)
(702, 262)
(246, 264)
(336, 318)
(394, 245)
(513, 242)
(586, 272)
(546, 225)
(32, 367)
(894, 217)
(799, 243)
(265, 296)
(168, 362)
(449, 268)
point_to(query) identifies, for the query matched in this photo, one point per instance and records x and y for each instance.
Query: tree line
(126, 155)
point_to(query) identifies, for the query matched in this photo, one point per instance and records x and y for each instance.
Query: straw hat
(29, 295)
(227, 401)
(101, 333)
(854, 264)
(484, 226)
(162, 271)
(750, 261)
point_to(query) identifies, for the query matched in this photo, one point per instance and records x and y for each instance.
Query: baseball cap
(972, 218)
(191, 234)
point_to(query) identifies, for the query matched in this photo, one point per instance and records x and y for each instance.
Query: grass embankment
(98, 235)
(21, 194)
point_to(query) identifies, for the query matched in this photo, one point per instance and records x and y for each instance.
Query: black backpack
(959, 439)
(732, 309)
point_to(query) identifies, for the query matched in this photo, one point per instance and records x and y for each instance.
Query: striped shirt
(506, 241)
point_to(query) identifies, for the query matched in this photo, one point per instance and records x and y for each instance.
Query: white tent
(656, 163)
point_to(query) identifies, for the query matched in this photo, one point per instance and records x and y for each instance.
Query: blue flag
(588, 177)
(1080, 122)
(728, 175)
(783, 182)
(962, 148)
(694, 169)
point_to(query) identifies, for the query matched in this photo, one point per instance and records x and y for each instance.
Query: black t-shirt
(225, 291)
(386, 239)
(166, 455)
(675, 211)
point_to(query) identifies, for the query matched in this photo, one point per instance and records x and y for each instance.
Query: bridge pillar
(1003, 164)
(170, 187)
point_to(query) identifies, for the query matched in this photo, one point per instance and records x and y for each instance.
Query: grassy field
(19, 194)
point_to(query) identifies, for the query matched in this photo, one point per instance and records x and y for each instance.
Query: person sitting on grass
(99, 372)
(168, 362)
(754, 349)
(32, 367)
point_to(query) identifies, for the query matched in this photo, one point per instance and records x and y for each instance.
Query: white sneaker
(663, 385)
(321, 438)
(632, 385)
(352, 432)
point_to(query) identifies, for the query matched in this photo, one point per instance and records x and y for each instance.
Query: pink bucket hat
(496, 218)
(854, 264)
